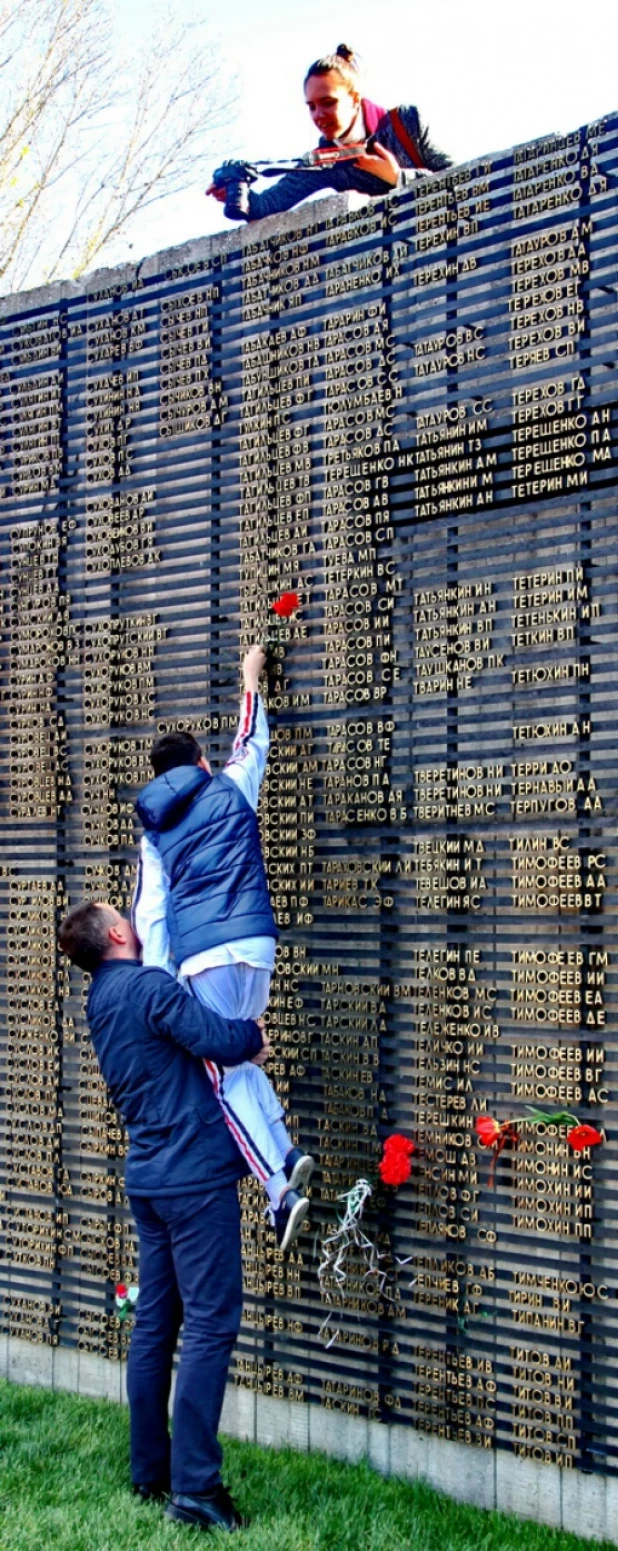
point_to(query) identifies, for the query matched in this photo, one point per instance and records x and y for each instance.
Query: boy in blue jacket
(202, 910)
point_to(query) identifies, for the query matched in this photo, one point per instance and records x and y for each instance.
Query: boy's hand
(253, 665)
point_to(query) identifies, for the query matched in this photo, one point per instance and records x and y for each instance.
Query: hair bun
(345, 52)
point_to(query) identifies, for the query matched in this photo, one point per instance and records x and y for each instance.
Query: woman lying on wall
(393, 147)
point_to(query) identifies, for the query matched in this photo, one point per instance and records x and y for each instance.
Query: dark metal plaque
(408, 414)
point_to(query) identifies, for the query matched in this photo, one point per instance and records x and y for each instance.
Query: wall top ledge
(189, 257)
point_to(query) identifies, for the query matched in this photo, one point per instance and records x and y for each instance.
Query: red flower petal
(398, 1144)
(487, 1130)
(120, 1290)
(395, 1170)
(286, 605)
(583, 1136)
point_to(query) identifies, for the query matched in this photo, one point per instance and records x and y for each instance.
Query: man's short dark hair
(83, 935)
(172, 749)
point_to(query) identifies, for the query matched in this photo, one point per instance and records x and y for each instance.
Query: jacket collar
(116, 964)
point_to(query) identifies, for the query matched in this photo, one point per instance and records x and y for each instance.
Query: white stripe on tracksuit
(247, 1098)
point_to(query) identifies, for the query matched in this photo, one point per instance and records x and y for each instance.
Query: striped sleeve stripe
(248, 722)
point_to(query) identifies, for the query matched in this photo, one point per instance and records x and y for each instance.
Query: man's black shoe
(288, 1218)
(155, 1492)
(212, 1510)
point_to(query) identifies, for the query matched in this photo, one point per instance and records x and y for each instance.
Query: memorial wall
(407, 413)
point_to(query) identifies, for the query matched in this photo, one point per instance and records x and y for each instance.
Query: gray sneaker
(288, 1218)
(299, 1167)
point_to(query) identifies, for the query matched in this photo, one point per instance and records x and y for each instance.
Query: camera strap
(399, 130)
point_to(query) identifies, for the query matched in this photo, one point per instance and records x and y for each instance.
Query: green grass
(64, 1486)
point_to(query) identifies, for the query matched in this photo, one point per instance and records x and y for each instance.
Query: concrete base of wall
(586, 1505)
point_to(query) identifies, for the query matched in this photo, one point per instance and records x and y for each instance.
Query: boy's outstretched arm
(247, 761)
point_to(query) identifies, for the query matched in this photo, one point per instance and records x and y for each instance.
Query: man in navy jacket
(151, 1038)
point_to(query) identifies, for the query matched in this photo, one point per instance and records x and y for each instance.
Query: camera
(236, 178)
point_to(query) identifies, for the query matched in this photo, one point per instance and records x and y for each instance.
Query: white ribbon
(336, 1247)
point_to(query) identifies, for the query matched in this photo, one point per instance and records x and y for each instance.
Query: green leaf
(560, 1118)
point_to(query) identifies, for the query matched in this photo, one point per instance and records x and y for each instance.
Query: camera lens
(236, 205)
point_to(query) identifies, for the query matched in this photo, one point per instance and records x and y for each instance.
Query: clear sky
(484, 75)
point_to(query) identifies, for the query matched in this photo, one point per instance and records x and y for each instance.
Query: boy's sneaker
(288, 1217)
(299, 1167)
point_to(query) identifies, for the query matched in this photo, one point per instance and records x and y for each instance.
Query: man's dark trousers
(189, 1273)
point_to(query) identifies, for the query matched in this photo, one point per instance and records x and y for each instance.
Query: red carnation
(286, 605)
(491, 1134)
(583, 1136)
(487, 1130)
(121, 1291)
(395, 1168)
(395, 1165)
(396, 1143)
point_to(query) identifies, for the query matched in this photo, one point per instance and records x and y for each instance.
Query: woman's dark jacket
(298, 185)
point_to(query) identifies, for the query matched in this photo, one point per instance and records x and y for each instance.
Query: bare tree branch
(84, 146)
